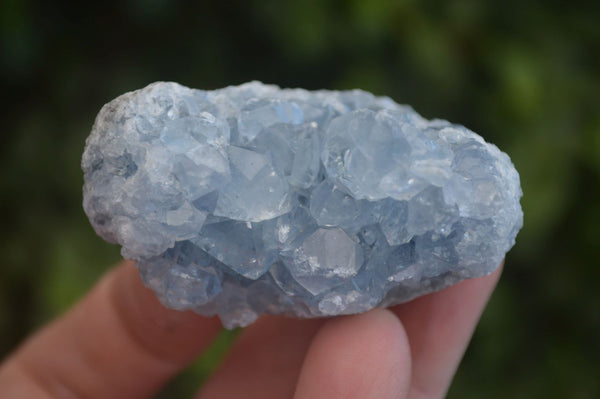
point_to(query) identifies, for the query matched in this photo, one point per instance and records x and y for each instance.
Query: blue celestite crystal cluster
(253, 199)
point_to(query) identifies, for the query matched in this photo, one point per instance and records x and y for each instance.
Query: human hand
(120, 342)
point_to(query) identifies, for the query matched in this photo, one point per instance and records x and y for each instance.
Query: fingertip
(265, 360)
(118, 341)
(439, 327)
(174, 336)
(359, 356)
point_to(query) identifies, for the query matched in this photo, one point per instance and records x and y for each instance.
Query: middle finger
(265, 360)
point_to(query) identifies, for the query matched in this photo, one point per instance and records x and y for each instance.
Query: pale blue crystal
(318, 267)
(253, 199)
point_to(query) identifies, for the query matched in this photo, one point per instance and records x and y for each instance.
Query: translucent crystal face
(252, 199)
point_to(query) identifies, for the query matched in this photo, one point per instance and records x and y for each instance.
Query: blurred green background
(524, 74)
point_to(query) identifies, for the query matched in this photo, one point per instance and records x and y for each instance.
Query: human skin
(120, 342)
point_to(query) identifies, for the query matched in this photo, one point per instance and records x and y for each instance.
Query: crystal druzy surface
(252, 199)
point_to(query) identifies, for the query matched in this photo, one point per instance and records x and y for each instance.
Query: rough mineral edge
(253, 199)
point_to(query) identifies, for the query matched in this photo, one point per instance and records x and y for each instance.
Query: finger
(362, 356)
(439, 327)
(265, 360)
(118, 342)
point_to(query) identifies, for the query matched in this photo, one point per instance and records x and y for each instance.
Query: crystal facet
(253, 199)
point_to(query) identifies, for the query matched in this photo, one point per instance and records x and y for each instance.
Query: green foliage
(524, 74)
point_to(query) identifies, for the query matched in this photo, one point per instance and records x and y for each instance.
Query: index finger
(118, 342)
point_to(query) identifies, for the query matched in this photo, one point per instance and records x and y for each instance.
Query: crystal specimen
(253, 199)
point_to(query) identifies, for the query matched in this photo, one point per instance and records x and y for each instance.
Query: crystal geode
(253, 199)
